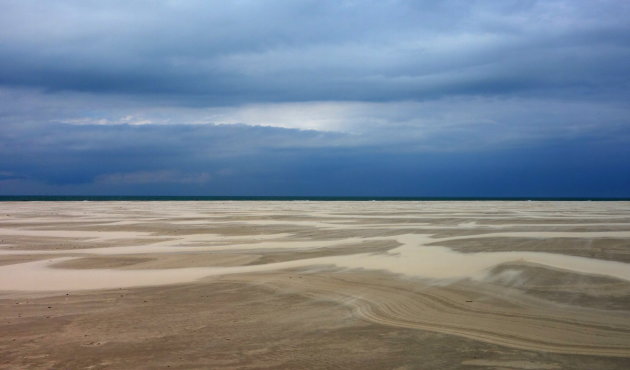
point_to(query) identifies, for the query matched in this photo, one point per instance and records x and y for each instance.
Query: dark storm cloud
(217, 52)
(78, 154)
(209, 160)
(310, 97)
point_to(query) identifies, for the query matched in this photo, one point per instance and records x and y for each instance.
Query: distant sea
(107, 198)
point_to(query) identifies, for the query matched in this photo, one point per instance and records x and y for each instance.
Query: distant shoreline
(101, 198)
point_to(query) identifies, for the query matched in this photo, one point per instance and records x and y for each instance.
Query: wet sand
(513, 285)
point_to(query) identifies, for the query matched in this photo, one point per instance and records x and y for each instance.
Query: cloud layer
(310, 97)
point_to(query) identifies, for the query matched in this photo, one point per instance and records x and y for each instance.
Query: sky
(419, 98)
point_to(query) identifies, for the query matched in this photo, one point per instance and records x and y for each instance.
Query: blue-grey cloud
(461, 98)
(204, 159)
(213, 53)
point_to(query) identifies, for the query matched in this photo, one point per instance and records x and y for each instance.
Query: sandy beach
(299, 284)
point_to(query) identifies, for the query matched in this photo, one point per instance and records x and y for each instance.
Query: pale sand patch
(413, 259)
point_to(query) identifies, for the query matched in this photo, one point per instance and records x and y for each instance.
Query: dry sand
(426, 285)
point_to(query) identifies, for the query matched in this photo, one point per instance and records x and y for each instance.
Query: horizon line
(301, 197)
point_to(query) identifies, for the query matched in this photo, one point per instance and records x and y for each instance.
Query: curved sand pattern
(416, 285)
(517, 320)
